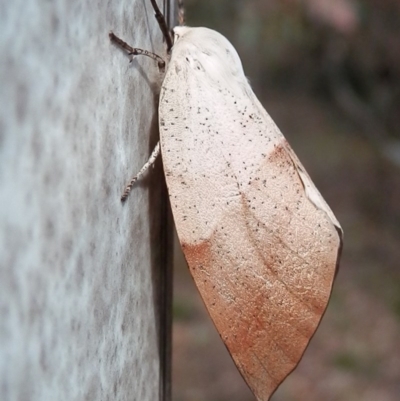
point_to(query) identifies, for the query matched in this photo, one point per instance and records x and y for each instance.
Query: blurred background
(328, 72)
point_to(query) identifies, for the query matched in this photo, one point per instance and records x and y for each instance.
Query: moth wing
(261, 243)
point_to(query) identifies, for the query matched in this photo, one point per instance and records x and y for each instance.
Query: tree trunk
(85, 281)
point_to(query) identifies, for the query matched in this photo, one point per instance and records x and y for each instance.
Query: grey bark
(84, 281)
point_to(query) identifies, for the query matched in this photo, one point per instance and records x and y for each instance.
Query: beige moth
(261, 243)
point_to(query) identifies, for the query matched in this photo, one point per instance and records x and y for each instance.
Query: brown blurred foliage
(328, 72)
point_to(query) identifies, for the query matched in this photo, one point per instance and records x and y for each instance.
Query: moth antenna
(181, 13)
(146, 166)
(163, 24)
(134, 51)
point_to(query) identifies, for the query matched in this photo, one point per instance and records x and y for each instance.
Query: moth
(261, 243)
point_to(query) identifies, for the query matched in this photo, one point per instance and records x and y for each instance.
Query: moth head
(209, 50)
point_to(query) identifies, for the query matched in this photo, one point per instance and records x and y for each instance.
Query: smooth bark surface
(83, 278)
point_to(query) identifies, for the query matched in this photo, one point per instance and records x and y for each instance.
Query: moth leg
(134, 51)
(163, 24)
(146, 166)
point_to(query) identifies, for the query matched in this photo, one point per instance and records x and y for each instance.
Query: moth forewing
(261, 249)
